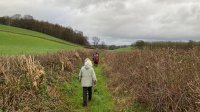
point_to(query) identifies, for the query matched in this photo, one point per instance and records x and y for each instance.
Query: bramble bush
(165, 80)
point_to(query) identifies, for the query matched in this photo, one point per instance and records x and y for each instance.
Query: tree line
(163, 44)
(56, 30)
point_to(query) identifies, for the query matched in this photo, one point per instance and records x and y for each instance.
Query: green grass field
(125, 49)
(19, 41)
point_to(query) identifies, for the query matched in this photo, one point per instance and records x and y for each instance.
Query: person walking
(96, 59)
(88, 79)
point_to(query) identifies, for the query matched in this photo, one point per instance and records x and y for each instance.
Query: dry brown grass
(166, 80)
(30, 83)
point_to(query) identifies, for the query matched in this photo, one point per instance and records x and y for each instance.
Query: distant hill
(55, 30)
(21, 41)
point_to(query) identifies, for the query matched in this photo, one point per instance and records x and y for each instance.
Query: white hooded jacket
(87, 75)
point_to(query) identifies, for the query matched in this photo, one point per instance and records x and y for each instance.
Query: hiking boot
(84, 105)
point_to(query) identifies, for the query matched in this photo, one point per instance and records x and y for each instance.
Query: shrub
(31, 83)
(166, 80)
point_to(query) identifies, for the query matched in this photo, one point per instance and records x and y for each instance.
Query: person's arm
(92, 57)
(98, 57)
(80, 75)
(94, 79)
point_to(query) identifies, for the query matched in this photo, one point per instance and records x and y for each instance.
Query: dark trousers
(87, 95)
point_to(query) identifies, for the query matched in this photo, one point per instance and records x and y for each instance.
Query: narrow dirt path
(101, 101)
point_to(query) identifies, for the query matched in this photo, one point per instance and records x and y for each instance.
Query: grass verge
(101, 101)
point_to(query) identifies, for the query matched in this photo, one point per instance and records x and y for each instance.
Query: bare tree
(96, 41)
(16, 16)
(29, 17)
(103, 45)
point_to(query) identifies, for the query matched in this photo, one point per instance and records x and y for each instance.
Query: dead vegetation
(166, 80)
(31, 83)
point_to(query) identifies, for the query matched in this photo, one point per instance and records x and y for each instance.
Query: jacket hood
(88, 64)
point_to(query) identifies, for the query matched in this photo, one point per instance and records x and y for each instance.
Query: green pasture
(19, 41)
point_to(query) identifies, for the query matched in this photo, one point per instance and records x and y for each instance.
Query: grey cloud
(117, 21)
(174, 1)
(78, 4)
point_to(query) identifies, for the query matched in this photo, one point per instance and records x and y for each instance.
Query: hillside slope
(20, 41)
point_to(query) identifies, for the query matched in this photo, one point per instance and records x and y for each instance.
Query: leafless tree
(16, 16)
(96, 41)
(29, 17)
(103, 45)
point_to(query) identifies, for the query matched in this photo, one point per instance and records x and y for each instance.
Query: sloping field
(20, 41)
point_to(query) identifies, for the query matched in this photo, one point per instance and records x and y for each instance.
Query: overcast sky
(117, 21)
